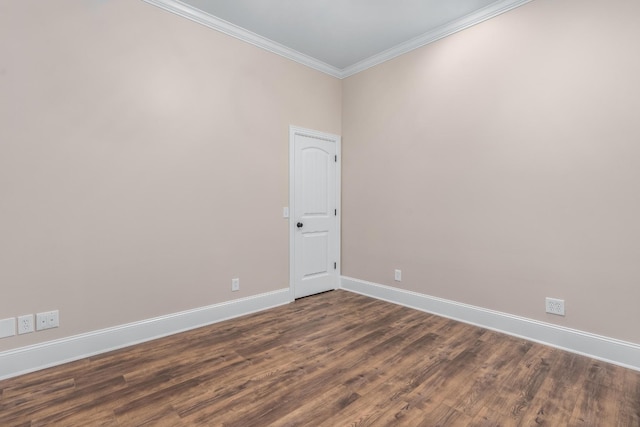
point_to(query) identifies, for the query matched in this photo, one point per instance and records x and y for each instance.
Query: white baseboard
(609, 350)
(39, 356)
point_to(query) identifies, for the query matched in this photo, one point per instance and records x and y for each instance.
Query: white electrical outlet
(25, 324)
(235, 285)
(554, 306)
(398, 276)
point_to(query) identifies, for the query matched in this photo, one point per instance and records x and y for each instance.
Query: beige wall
(501, 165)
(143, 162)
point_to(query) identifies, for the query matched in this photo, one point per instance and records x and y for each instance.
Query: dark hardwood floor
(335, 359)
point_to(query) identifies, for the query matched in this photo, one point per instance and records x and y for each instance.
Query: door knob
(299, 225)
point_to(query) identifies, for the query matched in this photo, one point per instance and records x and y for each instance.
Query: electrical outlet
(25, 324)
(555, 306)
(235, 285)
(398, 276)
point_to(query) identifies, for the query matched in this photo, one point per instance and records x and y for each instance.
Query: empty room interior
(159, 263)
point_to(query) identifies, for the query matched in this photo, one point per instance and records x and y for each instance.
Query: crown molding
(182, 9)
(494, 9)
(206, 19)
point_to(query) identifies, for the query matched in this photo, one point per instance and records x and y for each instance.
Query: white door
(314, 219)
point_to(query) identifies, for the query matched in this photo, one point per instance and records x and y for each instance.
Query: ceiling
(339, 37)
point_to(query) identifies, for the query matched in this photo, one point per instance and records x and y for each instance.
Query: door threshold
(313, 295)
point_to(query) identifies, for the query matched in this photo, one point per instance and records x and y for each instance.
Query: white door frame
(293, 131)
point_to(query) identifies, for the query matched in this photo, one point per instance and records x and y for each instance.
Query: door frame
(293, 131)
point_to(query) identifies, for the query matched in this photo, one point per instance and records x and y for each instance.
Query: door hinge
(335, 265)
(336, 158)
(335, 212)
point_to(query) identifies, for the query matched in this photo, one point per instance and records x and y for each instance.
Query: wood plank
(333, 359)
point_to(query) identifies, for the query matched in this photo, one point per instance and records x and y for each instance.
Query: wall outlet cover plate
(7, 327)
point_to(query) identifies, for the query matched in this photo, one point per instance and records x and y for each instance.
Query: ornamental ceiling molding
(182, 9)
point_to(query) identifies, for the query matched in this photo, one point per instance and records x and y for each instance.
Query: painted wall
(502, 165)
(143, 162)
